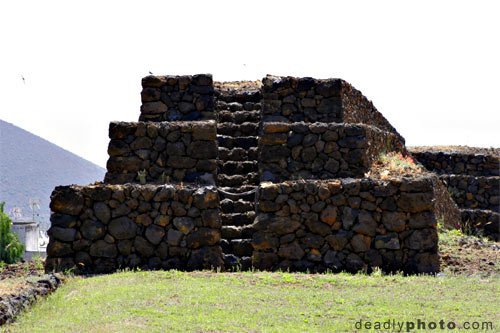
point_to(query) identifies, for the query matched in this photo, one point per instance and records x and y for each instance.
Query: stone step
(238, 219)
(238, 154)
(229, 206)
(242, 247)
(238, 130)
(246, 193)
(242, 97)
(233, 232)
(245, 142)
(237, 180)
(236, 194)
(237, 167)
(234, 263)
(230, 232)
(238, 117)
(482, 222)
(228, 105)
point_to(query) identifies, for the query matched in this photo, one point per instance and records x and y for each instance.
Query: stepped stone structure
(232, 175)
(472, 177)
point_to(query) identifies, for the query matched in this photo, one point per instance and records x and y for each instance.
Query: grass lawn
(207, 301)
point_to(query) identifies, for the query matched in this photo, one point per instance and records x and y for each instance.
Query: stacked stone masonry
(183, 188)
(165, 151)
(348, 225)
(101, 228)
(320, 150)
(171, 98)
(473, 182)
(459, 163)
(474, 192)
(311, 100)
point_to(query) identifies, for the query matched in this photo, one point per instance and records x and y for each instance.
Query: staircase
(238, 118)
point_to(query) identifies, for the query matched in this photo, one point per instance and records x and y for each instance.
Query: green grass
(269, 302)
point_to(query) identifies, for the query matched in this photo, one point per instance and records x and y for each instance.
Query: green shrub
(11, 249)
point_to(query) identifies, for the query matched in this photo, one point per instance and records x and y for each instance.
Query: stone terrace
(234, 175)
(472, 176)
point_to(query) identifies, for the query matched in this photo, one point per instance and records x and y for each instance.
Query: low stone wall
(171, 98)
(320, 150)
(40, 286)
(175, 151)
(100, 228)
(347, 225)
(459, 163)
(474, 192)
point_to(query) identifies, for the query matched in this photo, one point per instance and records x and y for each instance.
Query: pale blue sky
(431, 67)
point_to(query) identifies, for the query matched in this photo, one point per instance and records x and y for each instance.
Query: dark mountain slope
(30, 167)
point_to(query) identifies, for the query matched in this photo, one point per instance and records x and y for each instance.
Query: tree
(11, 249)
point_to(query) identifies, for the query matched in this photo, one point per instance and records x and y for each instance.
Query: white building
(29, 234)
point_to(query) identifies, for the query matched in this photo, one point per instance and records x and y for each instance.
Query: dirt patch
(14, 278)
(22, 269)
(12, 286)
(468, 255)
(237, 85)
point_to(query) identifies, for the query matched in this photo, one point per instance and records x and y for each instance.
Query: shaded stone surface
(122, 228)
(103, 249)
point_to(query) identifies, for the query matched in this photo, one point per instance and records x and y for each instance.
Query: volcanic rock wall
(311, 100)
(155, 209)
(472, 178)
(472, 164)
(320, 150)
(166, 151)
(170, 98)
(302, 99)
(347, 225)
(100, 228)
(472, 192)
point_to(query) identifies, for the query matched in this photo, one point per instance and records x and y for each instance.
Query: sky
(431, 67)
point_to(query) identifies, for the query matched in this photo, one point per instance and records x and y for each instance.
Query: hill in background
(30, 167)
